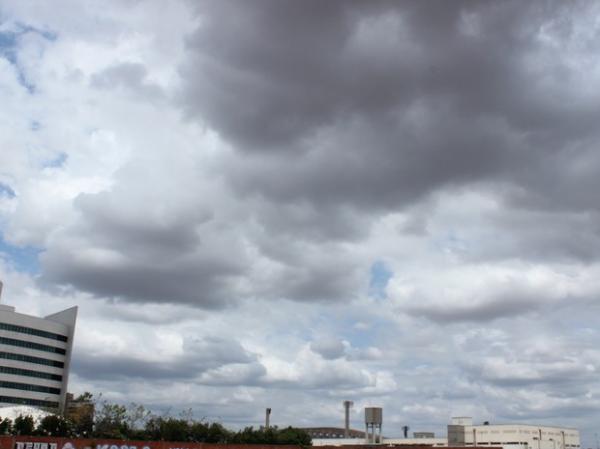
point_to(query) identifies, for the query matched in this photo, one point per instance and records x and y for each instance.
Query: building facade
(462, 432)
(35, 354)
(327, 433)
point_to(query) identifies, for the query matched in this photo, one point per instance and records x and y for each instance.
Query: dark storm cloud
(339, 113)
(378, 103)
(122, 367)
(137, 243)
(274, 69)
(193, 279)
(328, 348)
(128, 75)
(320, 282)
(138, 250)
(477, 312)
(300, 220)
(518, 234)
(146, 234)
(200, 356)
(249, 374)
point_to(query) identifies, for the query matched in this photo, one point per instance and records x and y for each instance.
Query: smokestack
(1, 289)
(347, 405)
(267, 416)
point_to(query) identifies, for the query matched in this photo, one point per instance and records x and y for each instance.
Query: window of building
(28, 387)
(24, 401)
(30, 373)
(31, 359)
(31, 345)
(31, 331)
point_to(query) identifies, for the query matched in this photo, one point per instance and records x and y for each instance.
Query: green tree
(137, 418)
(80, 412)
(272, 435)
(168, 429)
(85, 397)
(175, 430)
(106, 420)
(5, 426)
(111, 421)
(217, 434)
(23, 425)
(199, 432)
(291, 435)
(245, 436)
(249, 435)
(54, 426)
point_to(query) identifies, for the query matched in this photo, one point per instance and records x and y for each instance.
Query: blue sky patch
(57, 162)
(23, 259)
(5, 190)
(8, 44)
(380, 276)
(8, 50)
(9, 41)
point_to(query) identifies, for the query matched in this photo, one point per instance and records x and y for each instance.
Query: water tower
(373, 421)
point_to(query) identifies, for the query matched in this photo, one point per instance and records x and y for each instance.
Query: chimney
(267, 416)
(347, 405)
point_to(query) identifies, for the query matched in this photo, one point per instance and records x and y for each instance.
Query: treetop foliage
(90, 418)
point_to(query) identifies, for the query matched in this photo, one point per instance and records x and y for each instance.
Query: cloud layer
(290, 204)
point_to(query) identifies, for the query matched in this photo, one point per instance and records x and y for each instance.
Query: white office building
(35, 354)
(462, 432)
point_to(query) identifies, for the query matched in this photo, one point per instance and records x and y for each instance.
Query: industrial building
(35, 354)
(461, 433)
(333, 433)
(416, 442)
(332, 436)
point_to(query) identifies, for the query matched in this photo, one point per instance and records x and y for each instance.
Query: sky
(290, 204)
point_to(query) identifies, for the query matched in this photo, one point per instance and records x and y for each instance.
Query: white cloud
(216, 215)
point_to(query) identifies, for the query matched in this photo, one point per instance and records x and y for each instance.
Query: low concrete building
(327, 433)
(35, 354)
(437, 442)
(338, 441)
(423, 435)
(462, 432)
(334, 436)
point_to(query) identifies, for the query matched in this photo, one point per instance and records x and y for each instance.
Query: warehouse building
(326, 433)
(462, 432)
(35, 354)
